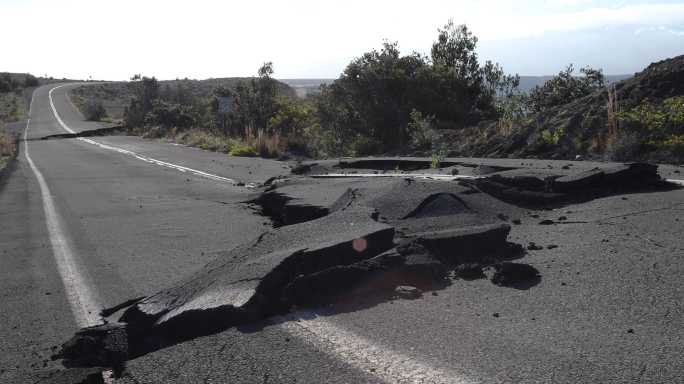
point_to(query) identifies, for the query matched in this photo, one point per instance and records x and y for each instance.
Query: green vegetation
(650, 126)
(564, 88)
(368, 109)
(553, 137)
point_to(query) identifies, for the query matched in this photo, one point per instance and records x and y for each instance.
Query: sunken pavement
(342, 238)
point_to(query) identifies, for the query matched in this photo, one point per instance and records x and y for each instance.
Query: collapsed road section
(373, 239)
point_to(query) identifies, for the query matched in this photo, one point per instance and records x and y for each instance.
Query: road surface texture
(512, 271)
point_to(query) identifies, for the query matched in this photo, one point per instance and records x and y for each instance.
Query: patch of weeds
(243, 150)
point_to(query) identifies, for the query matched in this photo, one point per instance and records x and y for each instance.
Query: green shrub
(243, 150)
(421, 130)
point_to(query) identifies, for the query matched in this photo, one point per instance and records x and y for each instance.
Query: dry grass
(8, 147)
(267, 145)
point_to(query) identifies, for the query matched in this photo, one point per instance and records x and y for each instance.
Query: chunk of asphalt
(477, 244)
(544, 188)
(103, 345)
(326, 285)
(283, 210)
(248, 282)
(514, 275)
(578, 181)
(408, 292)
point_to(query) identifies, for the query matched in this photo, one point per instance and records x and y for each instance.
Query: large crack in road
(375, 240)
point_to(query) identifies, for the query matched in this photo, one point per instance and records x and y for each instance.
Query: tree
(146, 91)
(372, 101)
(565, 87)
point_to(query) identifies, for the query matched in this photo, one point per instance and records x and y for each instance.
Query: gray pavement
(608, 308)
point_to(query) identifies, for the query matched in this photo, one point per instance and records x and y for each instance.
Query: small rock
(516, 221)
(534, 216)
(454, 172)
(546, 222)
(562, 218)
(240, 184)
(434, 293)
(408, 292)
(551, 246)
(630, 330)
(533, 247)
(502, 217)
(496, 314)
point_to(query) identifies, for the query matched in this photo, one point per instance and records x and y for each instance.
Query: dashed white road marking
(379, 361)
(82, 299)
(137, 155)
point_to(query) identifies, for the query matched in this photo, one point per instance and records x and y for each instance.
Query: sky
(198, 39)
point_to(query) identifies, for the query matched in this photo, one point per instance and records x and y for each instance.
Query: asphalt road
(131, 216)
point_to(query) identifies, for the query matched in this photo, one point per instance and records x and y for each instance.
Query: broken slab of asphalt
(550, 188)
(367, 241)
(372, 239)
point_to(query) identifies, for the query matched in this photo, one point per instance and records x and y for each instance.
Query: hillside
(581, 127)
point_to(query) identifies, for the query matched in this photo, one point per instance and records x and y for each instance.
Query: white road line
(137, 155)
(432, 176)
(83, 300)
(385, 364)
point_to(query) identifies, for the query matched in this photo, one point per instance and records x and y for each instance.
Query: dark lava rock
(534, 247)
(551, 246)
(547, 222)
(514, 275)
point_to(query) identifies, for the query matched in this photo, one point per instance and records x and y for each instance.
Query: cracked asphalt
(608, 307)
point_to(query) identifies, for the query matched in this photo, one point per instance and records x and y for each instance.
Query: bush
(93, 110)
(421, 130)
(243, 150)
(30, 81)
